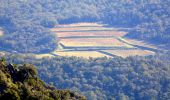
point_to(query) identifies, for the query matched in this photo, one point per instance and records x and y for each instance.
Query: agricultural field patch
(85, 54)
(94, 33)
(39, 56)
(96, 40)
(2, 54)
(127, 53)
(81, 25)
(92, 42)
(141, 43)
(1, 33)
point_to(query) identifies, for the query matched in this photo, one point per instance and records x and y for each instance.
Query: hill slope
(21, 83)
(149, 19)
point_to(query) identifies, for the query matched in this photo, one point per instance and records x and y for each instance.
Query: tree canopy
(20, 82)
(133, 78)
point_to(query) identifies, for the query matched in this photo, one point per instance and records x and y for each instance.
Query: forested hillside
(26, 22)
(26, 27)
(20, 82)
(133, 78)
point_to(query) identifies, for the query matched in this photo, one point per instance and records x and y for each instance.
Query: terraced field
(91, 42)
(1, 32)
(96, 40)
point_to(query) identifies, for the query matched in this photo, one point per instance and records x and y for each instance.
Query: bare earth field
(126, 53)
(92, 42)
(95, 40)
(85, 54)
(92, 33)
(1, 33)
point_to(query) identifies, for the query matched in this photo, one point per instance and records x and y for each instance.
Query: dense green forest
(132, 78)
(20, 82)
(26, 27)
(26, 22)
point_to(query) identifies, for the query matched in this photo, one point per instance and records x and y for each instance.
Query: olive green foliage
(21, 83)
(26, 27)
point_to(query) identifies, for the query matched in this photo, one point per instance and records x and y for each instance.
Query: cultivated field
(96, 40)
(141, 43)
(92, 42)
(93, 33)
(1, 33)
(126, 53)
(85, 54)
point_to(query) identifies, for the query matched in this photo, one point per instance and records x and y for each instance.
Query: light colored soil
(92, 42)
(91, 35)
(127, 53)
(39, 56)
(1, 33)
(141, 43)
(85, 54)
(81, 24)
(99, 33)
(81, 29)
(2, 54)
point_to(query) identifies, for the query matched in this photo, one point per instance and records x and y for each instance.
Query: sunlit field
(141, 43)
(92, 42)
(95, 40)
(1, 33)
(126, 53)
(85, 54)
(39, 56)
